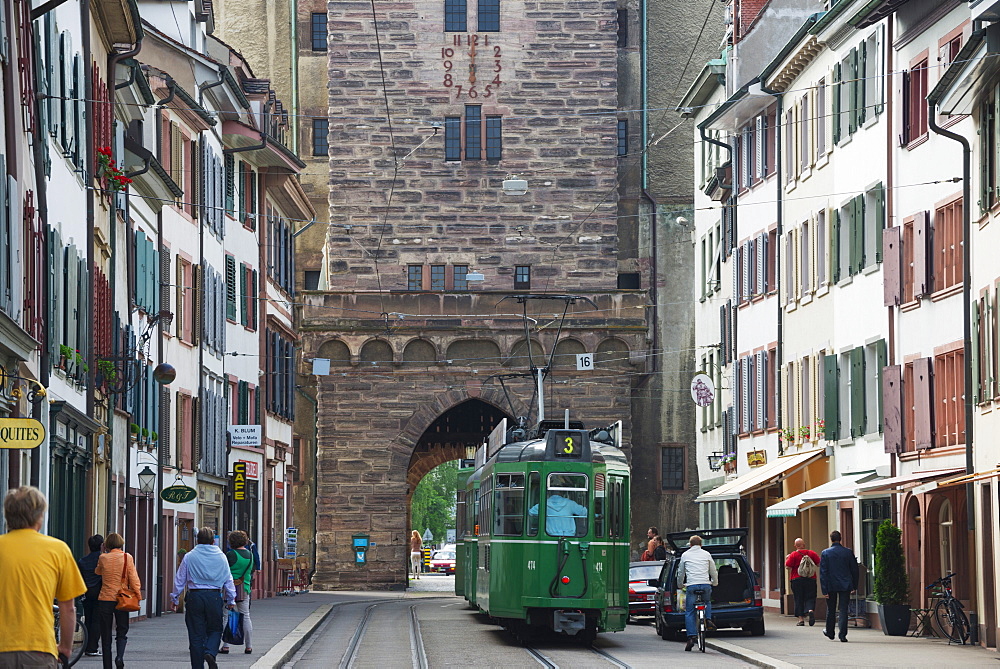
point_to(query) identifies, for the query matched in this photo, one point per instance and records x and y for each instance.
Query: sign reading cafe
(239, 481)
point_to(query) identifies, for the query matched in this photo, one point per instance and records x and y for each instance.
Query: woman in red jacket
(803, 584)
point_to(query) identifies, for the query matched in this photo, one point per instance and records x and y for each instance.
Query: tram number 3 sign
(584, 362)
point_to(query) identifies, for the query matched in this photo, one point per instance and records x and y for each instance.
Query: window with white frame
(821, 147)
(805, 268)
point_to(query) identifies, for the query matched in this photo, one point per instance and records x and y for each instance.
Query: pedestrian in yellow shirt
(35, 570)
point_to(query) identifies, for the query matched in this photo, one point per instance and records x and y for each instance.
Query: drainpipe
(966, 297)
(212, 84)
(645, 97)
(315, 473)
(255, 147)
(293, 8)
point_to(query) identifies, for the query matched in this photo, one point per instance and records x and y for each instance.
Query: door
(618, 550)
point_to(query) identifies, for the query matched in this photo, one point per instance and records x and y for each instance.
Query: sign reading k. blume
(244, 435)
(21, 433)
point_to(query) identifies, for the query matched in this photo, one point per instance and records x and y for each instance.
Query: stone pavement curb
(283, 651)
(747, 655)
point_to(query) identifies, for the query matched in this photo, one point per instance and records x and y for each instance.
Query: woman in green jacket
(241, 567)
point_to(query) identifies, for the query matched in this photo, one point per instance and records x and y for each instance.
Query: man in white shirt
(696, 573)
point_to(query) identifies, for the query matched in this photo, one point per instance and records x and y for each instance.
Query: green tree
(433, 502)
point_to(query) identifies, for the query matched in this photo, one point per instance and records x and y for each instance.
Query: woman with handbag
(120, 595)
(241, 567)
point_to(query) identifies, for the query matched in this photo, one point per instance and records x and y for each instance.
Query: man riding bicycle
(696, 573)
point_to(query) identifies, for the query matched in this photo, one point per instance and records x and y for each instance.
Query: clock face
(472, 66)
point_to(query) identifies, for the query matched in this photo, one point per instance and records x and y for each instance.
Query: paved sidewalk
(277, 623)
(786, 645)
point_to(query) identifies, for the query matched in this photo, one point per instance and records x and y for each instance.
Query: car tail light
(757, 601)
(668, 602)
(631, 591)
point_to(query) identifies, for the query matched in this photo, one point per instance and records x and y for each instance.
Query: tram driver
(561, 514)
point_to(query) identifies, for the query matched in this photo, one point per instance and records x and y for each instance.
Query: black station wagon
(736, 600)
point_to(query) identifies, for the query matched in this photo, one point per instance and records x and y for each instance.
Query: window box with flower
(729, 463)
(111, 175)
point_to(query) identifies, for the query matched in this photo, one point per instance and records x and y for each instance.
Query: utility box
(360, 542)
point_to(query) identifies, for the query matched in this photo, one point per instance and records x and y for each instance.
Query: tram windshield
(565, 505)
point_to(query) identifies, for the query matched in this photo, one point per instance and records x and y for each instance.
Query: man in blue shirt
(838, 577)
(204, 573)
(93, 581)
(560, 515)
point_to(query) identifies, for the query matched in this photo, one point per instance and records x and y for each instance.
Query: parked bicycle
(79, 637)
(949, 616)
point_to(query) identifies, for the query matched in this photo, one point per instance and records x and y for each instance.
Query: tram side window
(509, 505)
(565, 505)
(534, 492)
(599, 497)
(460, 514)
(617, 491)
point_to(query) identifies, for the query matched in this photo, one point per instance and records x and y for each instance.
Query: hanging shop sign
(239, 481)
(21, 433)
(178, 494)
(756, 458)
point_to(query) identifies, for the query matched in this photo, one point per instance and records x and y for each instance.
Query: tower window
(321, 128)
(473, 132)
(415, 277)
(489, 16)
(454, 16)
(319, 31)
(522, 277)
(623, 137)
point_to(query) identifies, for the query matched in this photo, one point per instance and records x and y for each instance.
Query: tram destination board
(567, 444)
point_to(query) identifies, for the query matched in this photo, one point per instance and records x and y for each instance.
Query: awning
(905, 482)
(839, 488)
(760, 477)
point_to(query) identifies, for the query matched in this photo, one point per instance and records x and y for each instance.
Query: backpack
(807, 567)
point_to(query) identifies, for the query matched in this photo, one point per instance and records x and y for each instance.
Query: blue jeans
(203, 617)
(690, 619)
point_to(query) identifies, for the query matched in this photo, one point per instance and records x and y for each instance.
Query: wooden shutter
(831, 397)
(837, 73)
(892, 398)
(858, 234)
(783, 398)
(861, 82)
(759, 135)
(857, 358)
(977, 341)
(923, 400)
(723, 329)
(852, 91)
(879, 220)
(231, 305)
(243, 403)
(253, 299)
(892, 286)
(252, 209)
(737, 297)
(164, 283)
(198, 301)
(761, 372)
(244, 311)
(176, 156)
(881, 355)
(835, 246)
(921, 235)
(903, 95)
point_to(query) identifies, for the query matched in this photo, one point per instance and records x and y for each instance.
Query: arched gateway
(383, 424)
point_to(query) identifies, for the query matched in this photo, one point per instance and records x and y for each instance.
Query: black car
(736, 600)
(642, 595)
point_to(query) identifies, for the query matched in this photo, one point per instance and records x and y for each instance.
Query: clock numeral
(458, 92)
(496, 65)
(489, 92)
(456, 40)
(473, 93)
(447, 52)
(447, 66)
(448, 82)
(472, 40)
(496, 52)
(496, 80)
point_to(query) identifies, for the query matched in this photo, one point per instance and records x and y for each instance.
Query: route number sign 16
(584, 362)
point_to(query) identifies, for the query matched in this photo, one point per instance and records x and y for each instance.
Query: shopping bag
(232, 633)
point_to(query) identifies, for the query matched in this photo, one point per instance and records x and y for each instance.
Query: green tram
(543, 524)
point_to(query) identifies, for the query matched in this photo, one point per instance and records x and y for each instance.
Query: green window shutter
(231, 288)
(879, 220)
(256, 406)
(858, 239)
(860, 81)
(852, 92)
(835, 246)
(985, 132)
(836, 102)
(230, 182)
(881, 359)
(831, 397)
(240, 213)
(852, 237)
(253, 200)
(244, 316)
(243, 403)
(857, 357)
(253, 299)
(976, 341)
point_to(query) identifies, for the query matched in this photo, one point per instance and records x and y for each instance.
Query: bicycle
(79, 637)
(699, 607)
(948, 614)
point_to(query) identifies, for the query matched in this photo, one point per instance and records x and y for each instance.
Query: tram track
(350, 655)
(549, 661)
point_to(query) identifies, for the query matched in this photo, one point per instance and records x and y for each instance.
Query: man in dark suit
(838, 578)
(93, 582)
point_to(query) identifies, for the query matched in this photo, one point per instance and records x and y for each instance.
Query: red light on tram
(565, 580)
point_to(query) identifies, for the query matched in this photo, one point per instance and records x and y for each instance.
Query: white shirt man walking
(696, 573)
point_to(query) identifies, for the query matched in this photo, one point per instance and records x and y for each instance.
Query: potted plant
(145, 434)
(65, 356)
(892, 591)
(134, 431)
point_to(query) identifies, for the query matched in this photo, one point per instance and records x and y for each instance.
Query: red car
(641, 595)
(443, 561)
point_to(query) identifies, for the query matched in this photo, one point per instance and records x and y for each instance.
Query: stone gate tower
(433, 104)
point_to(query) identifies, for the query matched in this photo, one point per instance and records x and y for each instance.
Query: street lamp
(147, 481)
(715, 461)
